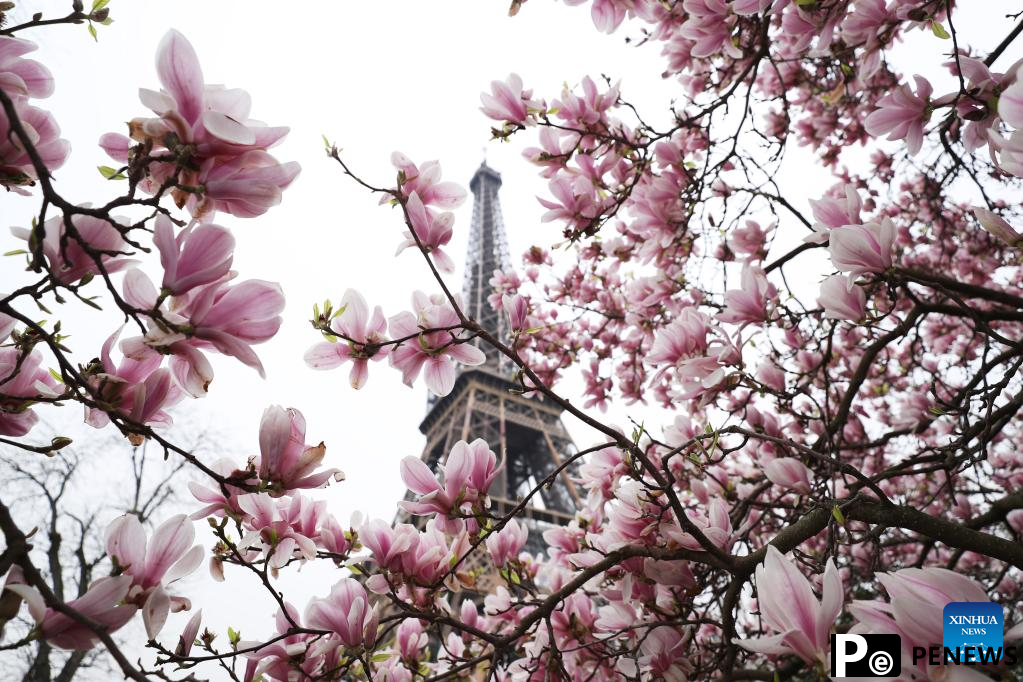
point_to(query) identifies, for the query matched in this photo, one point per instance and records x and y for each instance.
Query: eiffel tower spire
(487, 252)
(486, 402)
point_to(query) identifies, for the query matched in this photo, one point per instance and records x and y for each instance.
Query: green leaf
(56, 375)
(110, 173)
(92, 32)
(16, 252)
(380, 658)
(939, 30)
(233, 635)
(837, 513)
(99, 4)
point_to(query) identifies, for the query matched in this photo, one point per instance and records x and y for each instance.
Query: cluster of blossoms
(21, 81)
(431, 339)
(841, 444)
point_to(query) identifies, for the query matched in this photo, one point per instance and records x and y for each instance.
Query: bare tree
(53, 496)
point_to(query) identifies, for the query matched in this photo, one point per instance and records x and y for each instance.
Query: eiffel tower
(525, 432)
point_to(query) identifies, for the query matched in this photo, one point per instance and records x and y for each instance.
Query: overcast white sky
(373, 77)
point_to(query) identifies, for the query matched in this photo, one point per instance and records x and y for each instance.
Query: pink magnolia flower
(232, 319)
(789, 608)
(228, 163)
(22, 77)
(903, 114)
(434, 232)
(358, 335)
(516, 308)
(436, 351)
(284, 528)
(345, 611)
(467, 474)
(136, 388)
(388, 544)
(685, 337)
(862, 249)
(22, 380)
(998, 226)
(789, 473)
(103, 603)
(188, 635)
(197, 256)
(70, 263)
(411, 640)
(507, 101)
(663, 656)
(842, 299)
(16, 168)
(1010, 103)
(285, 461)
(833, 211)
(425, 181)
(168, 557)
(709, 26)
(246, 186)
(749, 304)
(505, 544)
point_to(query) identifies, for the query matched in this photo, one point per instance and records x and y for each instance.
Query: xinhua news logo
(972, 634)
(866, 655)
(975, 628)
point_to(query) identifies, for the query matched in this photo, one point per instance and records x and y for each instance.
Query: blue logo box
(972, 624)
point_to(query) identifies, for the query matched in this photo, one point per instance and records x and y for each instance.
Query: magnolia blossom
(285, 461)
(346, 612)
(1010, 103)
(467, 474)
(103, 603)
(433, 231)
(749, 304)
(998, 226)
(68, 259)
(19, 76)
(228, 168)
(789, 472)
(227, 318)
(433, 352)
(516, 308)
(842, 299)
(358, 337)
(507, 101)
(425, 181)
(663, 655)
(168, 557)
(834, 211)
(21, 79)
(801, 623)
(137, 387)
(902, 114)
(22, 380)
(862, 249)
(505, 544)
(195, 257)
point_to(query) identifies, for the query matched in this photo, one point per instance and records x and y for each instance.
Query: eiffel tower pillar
(525, 432)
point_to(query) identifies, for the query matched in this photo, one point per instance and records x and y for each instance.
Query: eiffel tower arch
(525, 432)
